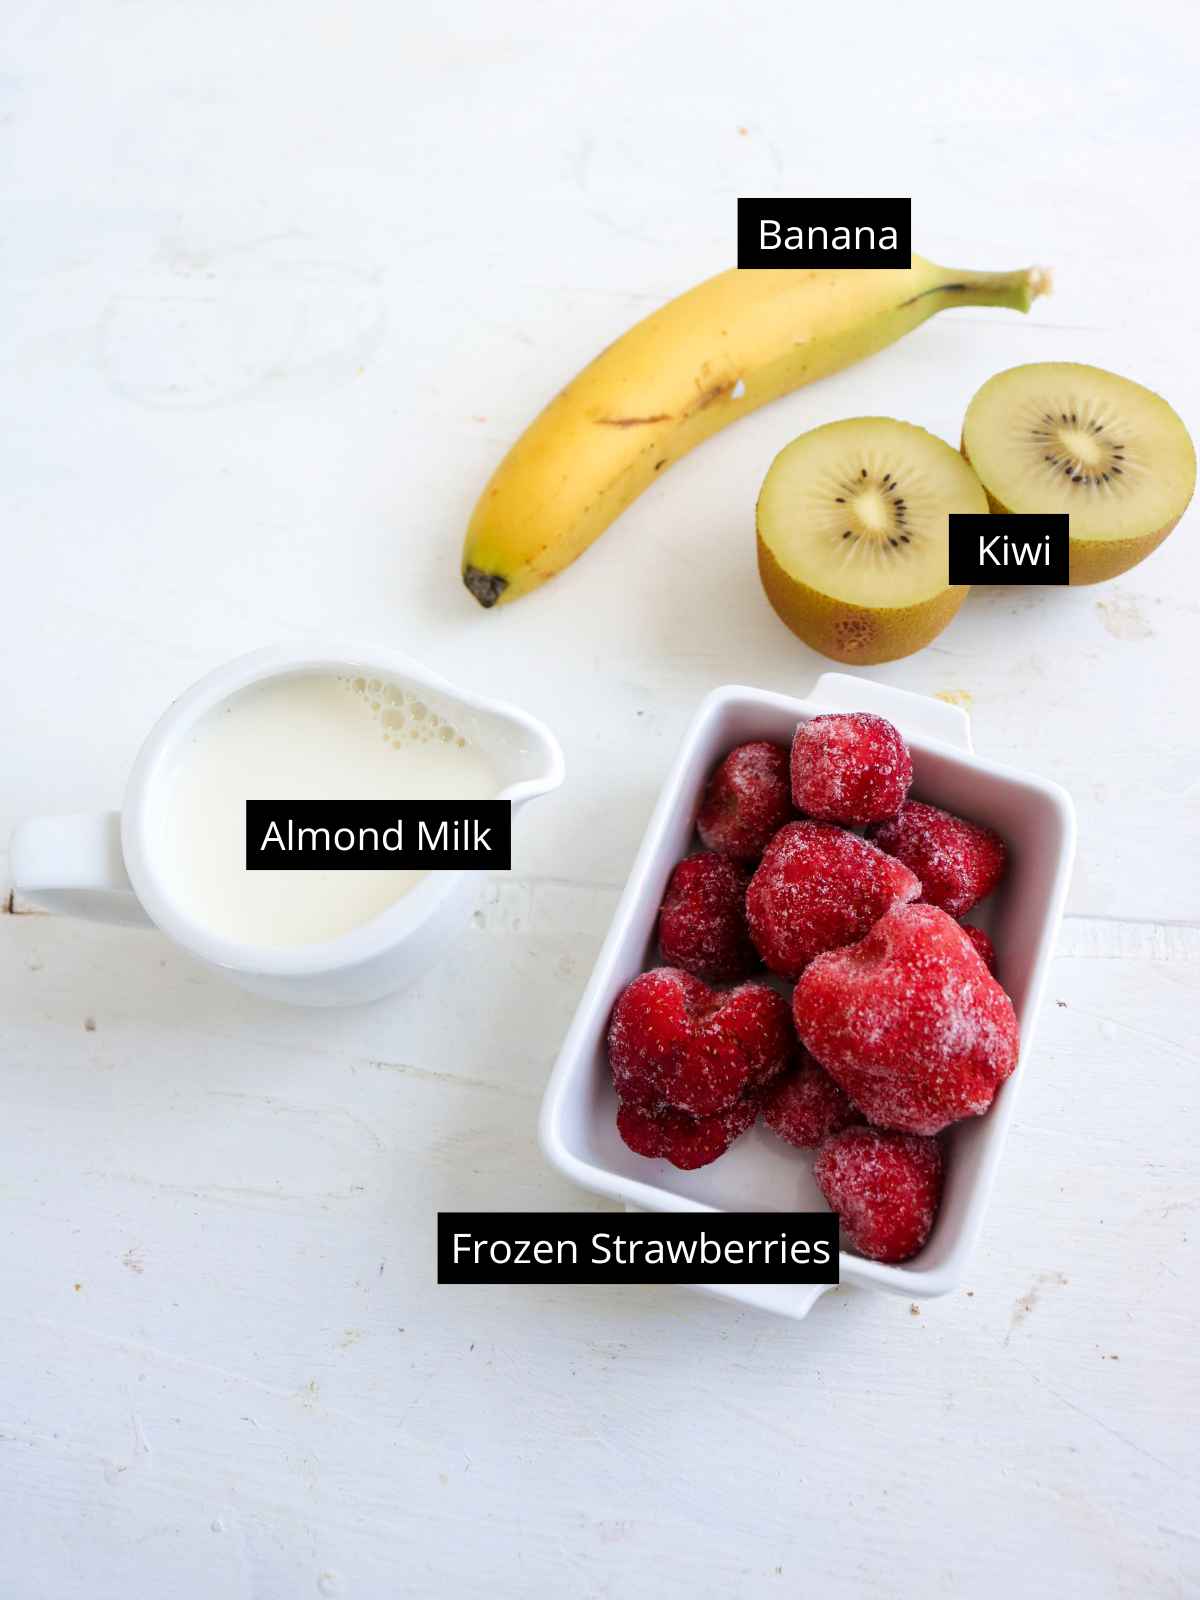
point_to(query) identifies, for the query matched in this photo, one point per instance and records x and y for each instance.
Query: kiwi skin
(1097, 560)
(849, 633)
(1093, 560)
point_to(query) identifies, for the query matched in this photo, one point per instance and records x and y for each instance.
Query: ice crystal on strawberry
(849, 767)
(702, 920)
(818, 887)
(909, 1022)
(805, 1106)
(674, 1041)
(687, 1142)
(884, 1187)
(958, 862)
(748, 799)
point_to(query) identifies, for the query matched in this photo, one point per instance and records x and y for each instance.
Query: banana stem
(1017, 290)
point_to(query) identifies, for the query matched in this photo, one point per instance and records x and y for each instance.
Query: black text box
(637, 1247)
(824, 233)
(405, 835)
(1001, 548)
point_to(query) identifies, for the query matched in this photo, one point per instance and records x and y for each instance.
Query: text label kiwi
(1005, 548)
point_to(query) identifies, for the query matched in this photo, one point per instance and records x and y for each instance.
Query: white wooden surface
(280, 282)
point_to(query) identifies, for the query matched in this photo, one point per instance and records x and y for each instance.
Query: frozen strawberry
(748, 798)
(984, 947)
(674, 1041)
(909, 1022)
(885, 1188)
(702, 920)
(684, 1141)
(818, 887)
(958, 862)
(805, 1106)
(849, 767)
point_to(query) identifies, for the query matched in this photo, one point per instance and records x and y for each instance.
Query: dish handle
(917, 713)
(793, 1300)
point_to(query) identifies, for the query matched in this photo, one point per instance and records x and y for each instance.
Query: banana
(722, 349)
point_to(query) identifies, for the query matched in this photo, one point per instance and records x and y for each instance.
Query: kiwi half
(1058, 436)
(853, 537)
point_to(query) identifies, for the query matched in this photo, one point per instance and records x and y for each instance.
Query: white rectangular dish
(761, 1173)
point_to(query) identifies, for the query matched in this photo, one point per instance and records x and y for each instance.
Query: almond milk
(302, 737)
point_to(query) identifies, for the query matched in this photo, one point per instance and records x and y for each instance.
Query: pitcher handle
(75, 865)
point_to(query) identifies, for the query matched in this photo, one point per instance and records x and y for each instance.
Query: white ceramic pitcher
(104, 867)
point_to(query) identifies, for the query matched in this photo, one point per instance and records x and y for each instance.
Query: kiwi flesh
(853, 537)
(1058, 436)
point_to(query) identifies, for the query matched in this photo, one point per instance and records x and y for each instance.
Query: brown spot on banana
(718, 391)
(632, 422)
